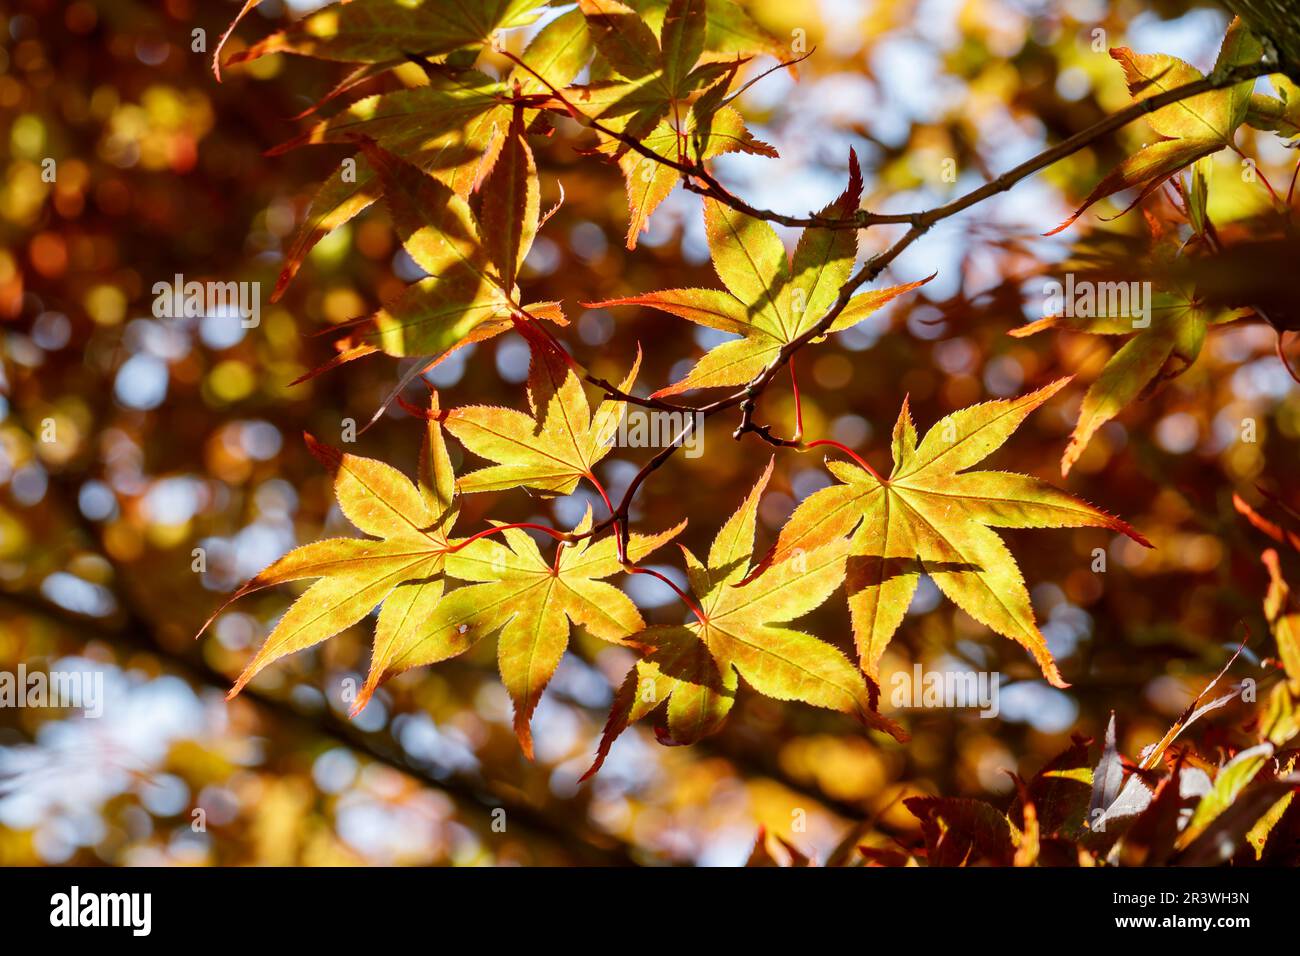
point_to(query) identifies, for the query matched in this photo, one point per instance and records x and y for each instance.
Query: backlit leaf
(769, 300)
(529, 603)
(371, 31)
(931, 517)
(741, 631)
(551, 450)
(400, 567)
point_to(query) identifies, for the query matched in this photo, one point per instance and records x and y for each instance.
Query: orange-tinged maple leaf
(508, 208)
(930, 516)
(402, 566)
(550, 450)
(1283, 534)
(1192, 128)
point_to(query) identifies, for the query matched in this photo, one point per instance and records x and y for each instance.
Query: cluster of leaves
(1172, 807)
(1189, 129)
(1177, 804)
(876, 535)
(770, 299)
(1170, 334)
(452, 160)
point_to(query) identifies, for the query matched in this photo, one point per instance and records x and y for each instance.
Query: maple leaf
(401, 567)
(628, 44)
(1059, 792)
(1281, 719)
(529, 603)
(770, 299)
(550, 450)
(559, 52)
(1191, 128)
(347, 193)
(1168, 332)
(221, 41)
(959, 831)
(705, 136)
(657, 78)
(739, 631)
(470, 294)
(931, 516)
(729, 33)
(693, 128)
(1232, 778)
(383, 31)
(1280, 113)
(1282, 612)
(1284, 531)
(455, 129)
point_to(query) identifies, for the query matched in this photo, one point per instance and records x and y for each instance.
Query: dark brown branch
(699, 180)
(138, 634)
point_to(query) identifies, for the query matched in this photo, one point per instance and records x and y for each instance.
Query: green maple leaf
(729, 32)
(383, 31)
(769, 299)
(1191, 128)
(1280, 113)
(694, 668)
(627, 43)
(656, 78)
(1281, 721)
(931, 516)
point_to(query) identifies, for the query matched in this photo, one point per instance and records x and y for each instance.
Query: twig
(707, 185)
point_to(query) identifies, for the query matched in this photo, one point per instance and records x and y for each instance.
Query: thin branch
(698, 180)
(138, 633)
(765, 74)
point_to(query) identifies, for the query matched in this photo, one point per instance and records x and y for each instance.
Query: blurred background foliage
(177, 434)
